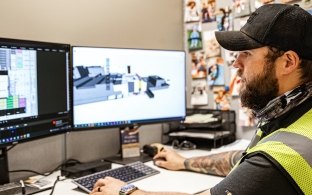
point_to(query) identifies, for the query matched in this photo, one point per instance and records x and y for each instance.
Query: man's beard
(256, 93)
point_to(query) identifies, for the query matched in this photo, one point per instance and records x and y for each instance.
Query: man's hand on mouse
(169, 159)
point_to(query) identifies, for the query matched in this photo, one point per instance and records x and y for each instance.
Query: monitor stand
(4, 168)
(129, 144)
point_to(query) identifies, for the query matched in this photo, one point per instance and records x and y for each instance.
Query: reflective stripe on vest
(294, 159)
(291, 148)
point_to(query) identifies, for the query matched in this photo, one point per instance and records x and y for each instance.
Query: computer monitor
(114, 87)
(35, 91)
(120, 87)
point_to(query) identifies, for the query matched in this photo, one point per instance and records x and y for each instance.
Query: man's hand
(107, 186)
(169, 159)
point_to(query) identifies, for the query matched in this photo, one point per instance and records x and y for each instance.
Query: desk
(182, 181)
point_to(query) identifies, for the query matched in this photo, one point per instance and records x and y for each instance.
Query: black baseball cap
(286, 27)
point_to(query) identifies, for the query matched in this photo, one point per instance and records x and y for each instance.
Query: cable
(23, 187)
(53, 187)
(26, 170)
(11, 147)
(57, 180)
(69, 161)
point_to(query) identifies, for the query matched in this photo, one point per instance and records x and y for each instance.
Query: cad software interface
(115, 86)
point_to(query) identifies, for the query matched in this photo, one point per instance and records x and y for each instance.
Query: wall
(242, 132)
(153, 24)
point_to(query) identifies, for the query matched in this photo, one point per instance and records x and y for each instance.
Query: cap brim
(236, 41)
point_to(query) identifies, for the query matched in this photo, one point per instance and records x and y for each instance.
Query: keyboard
(127, 173)
(15, 188)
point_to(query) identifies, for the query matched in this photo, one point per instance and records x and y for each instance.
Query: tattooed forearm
(216, 164)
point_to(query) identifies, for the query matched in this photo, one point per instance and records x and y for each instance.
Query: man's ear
(291, 62)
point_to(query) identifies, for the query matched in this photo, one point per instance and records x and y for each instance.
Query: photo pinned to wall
(208, 11)
(230, 57)
(199, 65)
(192, 13)
(288, 1)
(215, 72)
(222, 98)
(235, 83)
(224, 19)
(194, 36)
(307, 4)
(211, 45)
(259, 3)
(199, 95)
(242, 22)
(246, 118)
(241, 8)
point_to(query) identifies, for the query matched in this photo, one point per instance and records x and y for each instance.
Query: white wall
(153, 24)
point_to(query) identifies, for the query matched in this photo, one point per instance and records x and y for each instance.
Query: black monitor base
(119, 160)
(4, 169)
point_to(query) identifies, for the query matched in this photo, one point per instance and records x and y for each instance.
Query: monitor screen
(34, 90)
(122, 87)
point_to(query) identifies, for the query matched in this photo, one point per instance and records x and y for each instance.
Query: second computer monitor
(115, 87)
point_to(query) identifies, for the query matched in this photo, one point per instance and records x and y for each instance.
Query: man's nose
(238, 63)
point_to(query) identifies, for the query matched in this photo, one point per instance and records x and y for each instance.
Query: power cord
(11, 147)
(55, 182)
(59, 178)
(67, 162)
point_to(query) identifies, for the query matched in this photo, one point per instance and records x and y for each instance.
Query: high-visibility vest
(291, 147)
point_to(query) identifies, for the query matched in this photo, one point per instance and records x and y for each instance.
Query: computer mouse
(152, 149)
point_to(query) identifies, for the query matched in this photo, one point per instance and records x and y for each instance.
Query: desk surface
(176, 181)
